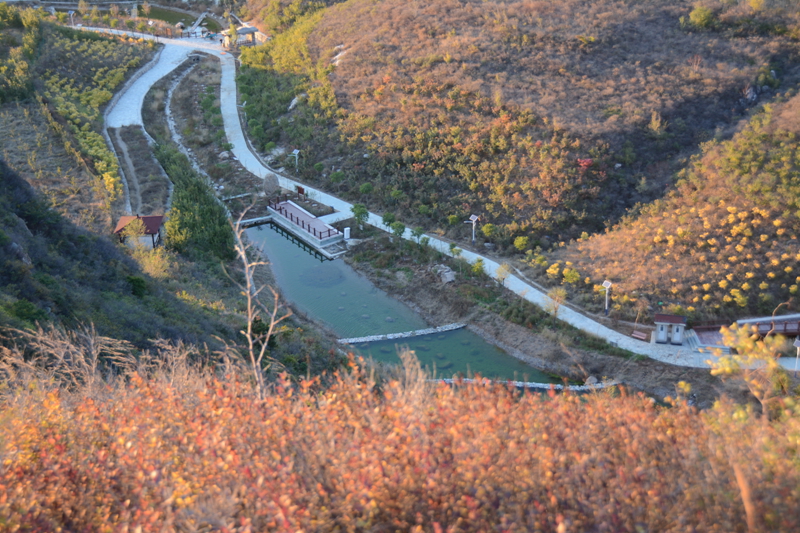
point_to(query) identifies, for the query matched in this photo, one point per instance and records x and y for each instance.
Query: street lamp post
(607, 286)
(472, 220)
(71, 22)
(296, 154)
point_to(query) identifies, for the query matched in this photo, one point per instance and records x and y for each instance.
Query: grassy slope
(50, 264)
(487, 107)
(725, 242)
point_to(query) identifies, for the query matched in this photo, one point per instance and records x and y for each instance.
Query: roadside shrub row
(73, 74)
(198, 224)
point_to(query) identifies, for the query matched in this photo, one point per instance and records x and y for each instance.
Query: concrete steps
(692, 342)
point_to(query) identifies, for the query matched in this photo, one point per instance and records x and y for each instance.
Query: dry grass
(165, 444)
(597, 69)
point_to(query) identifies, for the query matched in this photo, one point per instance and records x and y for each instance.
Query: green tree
(366, 188)
(701, 17)
(233, 35)
(398, 228)
(521, 243)
(489, 230)
(571, 276)
(83, 7)
(146, 8)
(388, 218)
(360, 213)
(455, 251)
(417, 233)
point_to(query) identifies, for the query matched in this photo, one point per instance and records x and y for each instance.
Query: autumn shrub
(170, 445)
(701, 17)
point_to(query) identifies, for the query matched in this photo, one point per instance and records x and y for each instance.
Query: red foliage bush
(350, 457)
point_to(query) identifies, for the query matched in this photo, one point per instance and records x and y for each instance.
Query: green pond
(347, 302)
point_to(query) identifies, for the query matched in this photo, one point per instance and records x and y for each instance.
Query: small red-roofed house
(152, 227)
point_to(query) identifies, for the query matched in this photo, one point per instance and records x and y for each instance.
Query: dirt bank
(549, 350)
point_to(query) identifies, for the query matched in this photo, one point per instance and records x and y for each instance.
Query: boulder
(591, 380)
(17, 250)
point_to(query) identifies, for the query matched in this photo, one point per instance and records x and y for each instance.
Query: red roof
(669, 319)
(152, 223)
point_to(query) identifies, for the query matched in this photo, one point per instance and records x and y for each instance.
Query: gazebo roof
(152, 223)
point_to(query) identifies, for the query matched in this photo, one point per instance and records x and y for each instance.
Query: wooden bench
(641, 335)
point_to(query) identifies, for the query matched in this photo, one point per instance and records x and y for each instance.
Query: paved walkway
(128, 111)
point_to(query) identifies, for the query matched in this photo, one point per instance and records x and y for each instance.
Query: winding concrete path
(128, 110)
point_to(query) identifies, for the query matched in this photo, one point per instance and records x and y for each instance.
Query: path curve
(128, 111)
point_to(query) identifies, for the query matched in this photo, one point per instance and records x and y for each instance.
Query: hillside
(545, 119)
(60, 193)
(52, 271)
(725, 242)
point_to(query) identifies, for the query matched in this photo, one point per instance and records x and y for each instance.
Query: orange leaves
(465, 458)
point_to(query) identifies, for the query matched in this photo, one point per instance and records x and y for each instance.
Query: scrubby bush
(174, 446)
(701, 17)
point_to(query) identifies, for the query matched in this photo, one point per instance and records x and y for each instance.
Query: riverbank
(551, 350)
